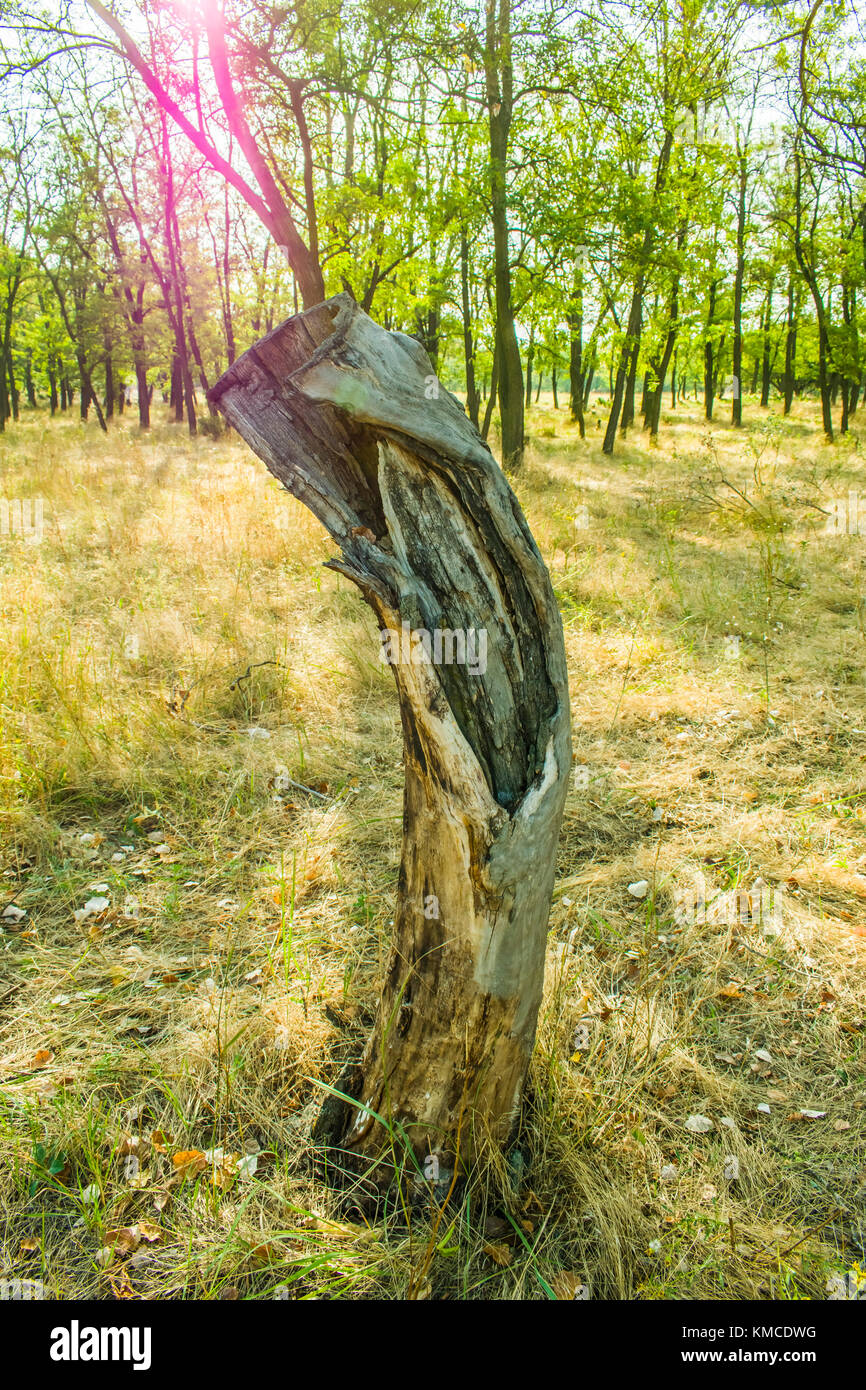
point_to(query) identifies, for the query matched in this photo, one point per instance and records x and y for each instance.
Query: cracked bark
(352, 421)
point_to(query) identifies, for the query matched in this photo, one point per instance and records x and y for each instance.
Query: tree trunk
(343, 413)
(709, 364)
(28, 379)
(472, 401)
(627, 359)
(739, 277)
(499, 78)
(494, 390)
(790, 348)
(574, 318)
(766, 360)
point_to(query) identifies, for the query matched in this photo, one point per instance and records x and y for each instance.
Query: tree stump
(352, 420)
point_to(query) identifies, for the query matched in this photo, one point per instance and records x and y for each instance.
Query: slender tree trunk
(499, 79)
(709, 364)
(739, 277)
(434, 538)
(766, 369)
(109, 381)
(553, 387)
(494, 392)
(472, 401)
(631, 379)
(530, 357)
(28, 379)
(575, 360)
(790, 348)
(14, 393)
(626, 357)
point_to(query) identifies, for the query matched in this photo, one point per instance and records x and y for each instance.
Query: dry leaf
(730, 991)
(42, 1058)
(124, 1239)
(841, 1125)
(266, 1253)
(28, 1246)
(499, 1254)
(189, 1161)
(149, 1232)
(698, 1124)
(568, 1285)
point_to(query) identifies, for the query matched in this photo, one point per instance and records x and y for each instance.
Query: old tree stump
(352, 420)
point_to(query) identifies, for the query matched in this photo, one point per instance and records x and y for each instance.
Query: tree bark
(345, 414)
(499, 80)
(739, 277)
(472, 399)
(766, 358)
(790, 348)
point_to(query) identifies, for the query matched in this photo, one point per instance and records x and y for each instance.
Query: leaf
(841, 1125)
(500, 1254)
(568, 1285)
(189, 1162)
(266, 1253)
(42, 1058)
(124, 1239)
(247, 1166)
(730, 991)
(28, 1246)
(149, 1231)
(698, 1124)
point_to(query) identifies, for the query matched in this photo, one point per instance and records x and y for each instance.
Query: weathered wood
(353, 421)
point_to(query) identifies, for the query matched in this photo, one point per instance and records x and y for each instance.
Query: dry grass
(172, 652)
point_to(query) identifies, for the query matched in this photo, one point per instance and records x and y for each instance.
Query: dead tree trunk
(353, 422)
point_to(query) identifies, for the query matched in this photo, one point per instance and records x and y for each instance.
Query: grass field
(200, 802)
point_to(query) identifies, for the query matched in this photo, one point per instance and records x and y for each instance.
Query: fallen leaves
(500, 1254)
(189, 1162)
(698, 1124)
(730, 991)
(568, 1285)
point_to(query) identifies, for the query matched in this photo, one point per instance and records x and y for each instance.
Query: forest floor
(190, 943)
